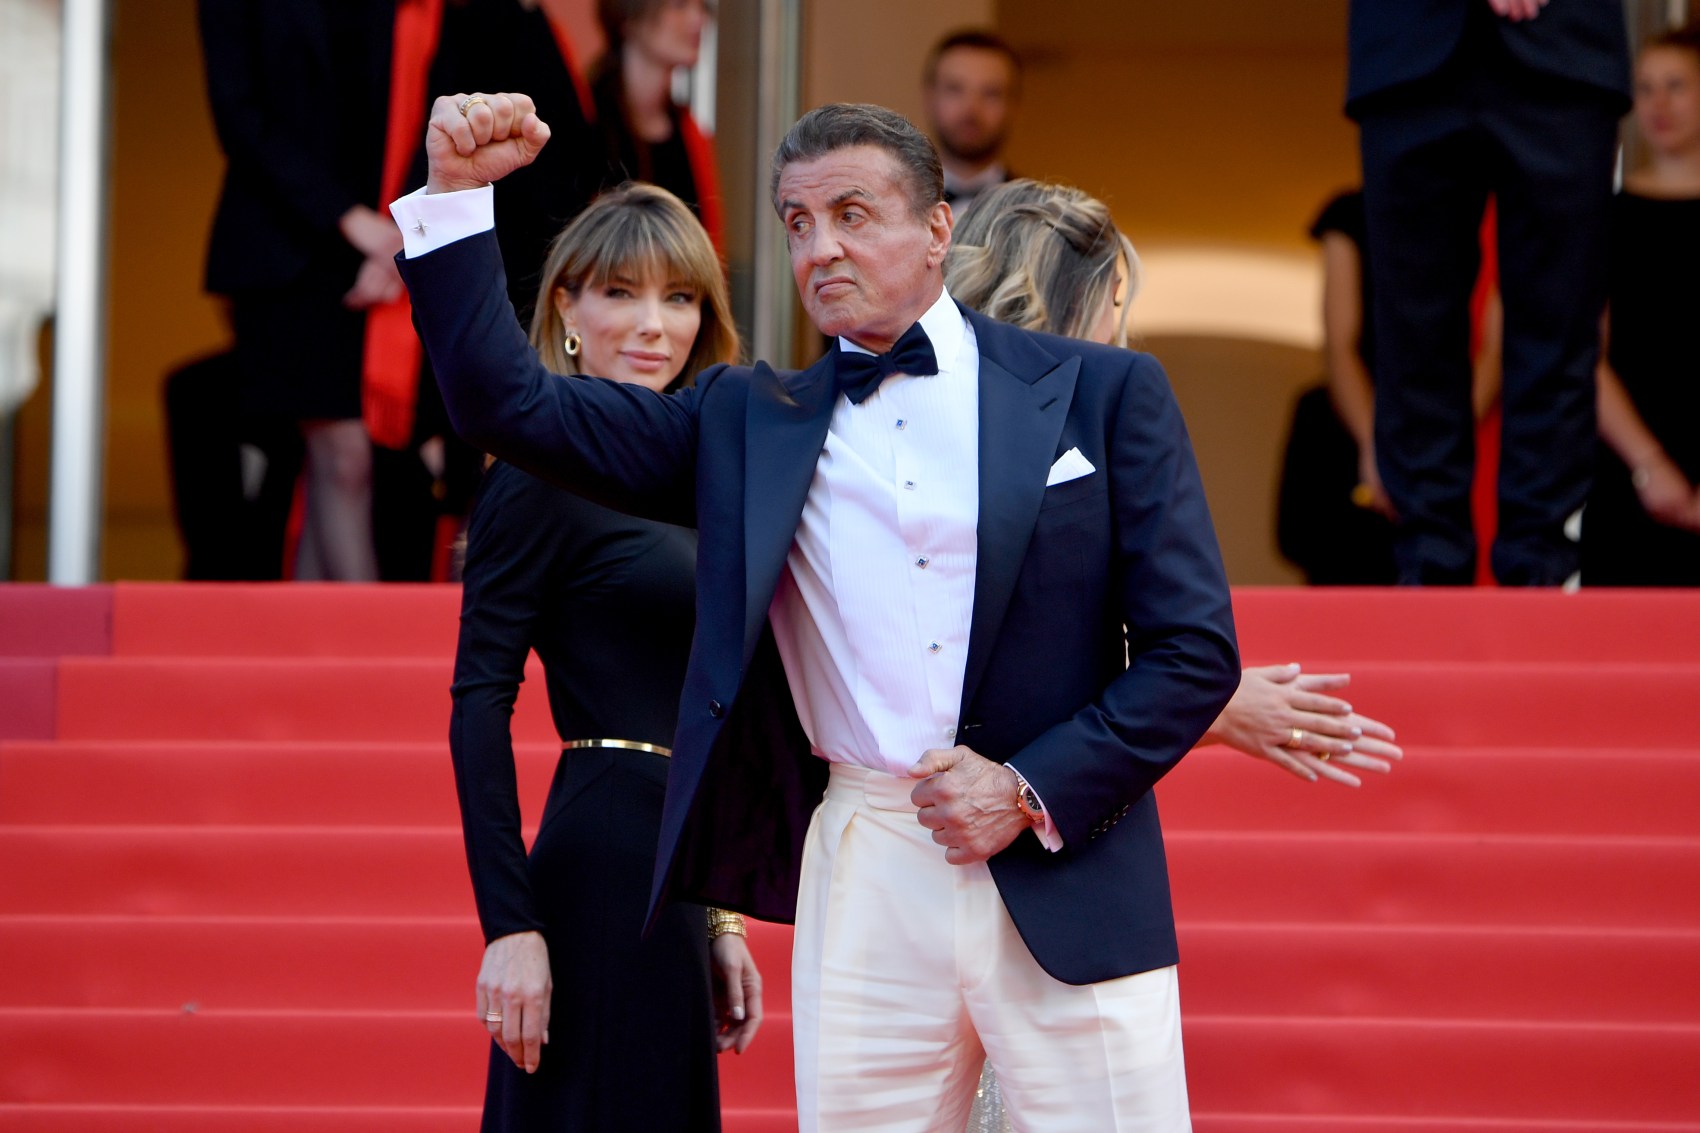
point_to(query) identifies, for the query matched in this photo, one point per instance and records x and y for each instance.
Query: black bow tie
(858, 374)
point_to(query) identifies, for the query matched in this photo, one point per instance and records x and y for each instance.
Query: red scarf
(390, 373)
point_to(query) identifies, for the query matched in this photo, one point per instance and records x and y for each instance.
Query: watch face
(1030, 801)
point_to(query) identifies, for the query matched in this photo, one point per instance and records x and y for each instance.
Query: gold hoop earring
(571, 344)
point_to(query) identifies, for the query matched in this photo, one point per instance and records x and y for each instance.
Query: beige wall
(874, 51)
(1212, 126)
(1215, 133)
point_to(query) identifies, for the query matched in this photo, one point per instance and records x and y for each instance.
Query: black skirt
(631, 1021)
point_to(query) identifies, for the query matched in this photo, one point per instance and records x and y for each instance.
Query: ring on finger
(1325, 756)
(1296, 738)
(469, 102)
(492, 1016)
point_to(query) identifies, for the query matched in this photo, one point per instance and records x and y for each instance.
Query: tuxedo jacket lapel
(1021, 420)
(785, 427)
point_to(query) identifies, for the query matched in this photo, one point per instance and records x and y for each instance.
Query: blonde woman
(595, 1025)
(1049, 258)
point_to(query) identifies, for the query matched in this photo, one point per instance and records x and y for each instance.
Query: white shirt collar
(944, 327)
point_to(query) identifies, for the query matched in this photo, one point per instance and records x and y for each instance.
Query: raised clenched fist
(474, 139)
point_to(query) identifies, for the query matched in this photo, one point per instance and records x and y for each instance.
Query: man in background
(971, 87)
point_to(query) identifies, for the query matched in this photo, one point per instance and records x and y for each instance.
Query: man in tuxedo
(960, 575)
(1456, 100)
(970, 87)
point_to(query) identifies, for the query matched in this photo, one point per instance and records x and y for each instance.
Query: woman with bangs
(626, 1040)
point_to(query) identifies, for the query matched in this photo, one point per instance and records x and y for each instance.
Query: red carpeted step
(224, 963)
(1280, 624)
(219, 698)
(54, 621)
(1393, 1123)
(348, 963)
(1372, 879)
(1440, 972)
(120, 1118)
(300, 1119)
(1413, 879)
(1530, 704)
(322, 1058)
(1654, 792)
(1604, 791)
(1436, 1070)
(231, 782)
(260, 871)
(283, 620)
(28, 691)
(1329, 969)
(1506, 1070)
(308, 699)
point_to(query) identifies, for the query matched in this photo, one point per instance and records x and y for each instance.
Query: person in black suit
(633, 289)
(1456, 100)
(971, 89)
(297, 242)
(1013, 555)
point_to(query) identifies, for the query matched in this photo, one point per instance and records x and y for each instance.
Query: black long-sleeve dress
(607, 601)
(1653, 292)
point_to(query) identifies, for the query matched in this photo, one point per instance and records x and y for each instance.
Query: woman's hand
(376, 282)
(737, 992)
(1287, 718)
(1666, 494)
(514, 987)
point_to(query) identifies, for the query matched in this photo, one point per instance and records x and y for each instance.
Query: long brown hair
(644, 231)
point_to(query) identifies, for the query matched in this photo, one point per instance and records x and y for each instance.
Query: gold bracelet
(721, 922)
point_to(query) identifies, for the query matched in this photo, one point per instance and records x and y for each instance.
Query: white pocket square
(1069, 466)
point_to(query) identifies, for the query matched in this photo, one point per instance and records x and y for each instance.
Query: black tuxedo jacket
(1394, 42)
(1095, 717)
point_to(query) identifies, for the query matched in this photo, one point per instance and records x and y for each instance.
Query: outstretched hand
(968, 802)
(474, 139)
(1288, 718)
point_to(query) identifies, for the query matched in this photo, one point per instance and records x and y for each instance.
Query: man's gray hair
(840, 125)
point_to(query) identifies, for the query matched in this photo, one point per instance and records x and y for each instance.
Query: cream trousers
(908, 973)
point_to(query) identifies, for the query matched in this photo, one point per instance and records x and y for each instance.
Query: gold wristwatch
(1027, 800)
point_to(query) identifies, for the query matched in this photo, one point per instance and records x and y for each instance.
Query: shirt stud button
(902, 423)
(922, 562)
(909, 485)
(934, 647)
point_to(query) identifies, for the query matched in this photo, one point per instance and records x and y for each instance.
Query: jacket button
(716, 709)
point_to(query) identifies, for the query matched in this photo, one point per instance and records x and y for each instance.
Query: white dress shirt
(873, 610)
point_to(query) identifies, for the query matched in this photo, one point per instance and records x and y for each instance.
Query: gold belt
(629, 745)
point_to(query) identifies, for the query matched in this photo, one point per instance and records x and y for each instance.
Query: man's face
(867, 267)
(971, 102)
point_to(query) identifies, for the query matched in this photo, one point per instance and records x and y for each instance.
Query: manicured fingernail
(1356, 732)
(738, 1014)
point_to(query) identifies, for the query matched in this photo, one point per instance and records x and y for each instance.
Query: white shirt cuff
(1046, 833)
(429, 221)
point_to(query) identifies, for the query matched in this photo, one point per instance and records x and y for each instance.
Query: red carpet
(234, 895)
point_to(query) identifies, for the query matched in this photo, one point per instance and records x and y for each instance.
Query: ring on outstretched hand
(1296, 738)
(492, 1016)
(469, 102)
(1324, 755)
